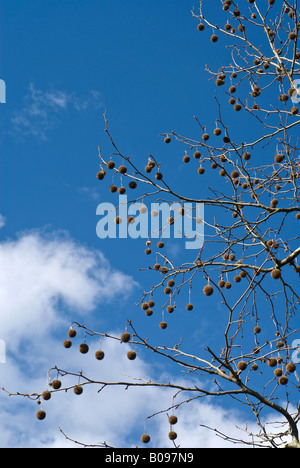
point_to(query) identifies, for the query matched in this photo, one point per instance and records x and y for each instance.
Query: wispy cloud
(41, 110)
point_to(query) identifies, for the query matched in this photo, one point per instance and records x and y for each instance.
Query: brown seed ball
(214, 38)
(235, 174)
(294, 110)
(163, 325)
(46, 395)
(72, 333)
(242, 365)
(272, 362)
(237, 107)
(168, 139)
(167, 290)
(290, 367)
(205, 136)
(232, 89)
(254, 367)
(237, 279)
(186, 159)
(228, 285)
(83, 348)
(217, 131)
(283, 380)
(78, 390)
(278, 372)
(110, 165)
(113, 188)
(41, 415)
(158, 176)
(172, 435)
(151, 303)
(276, 273)
(156, 266)
(67, 344)
(279, 157)
(132, 184)
(246, 156)
(201, 170)
(221, 283)
(118, 219)
(122, 190)
(131, 355)
(122, 169)
(173, 419)
(160, 245)
(149, 312)
(200, 27)
(99, 355)
(148, 251)
(257, 330)
(56, 384)
(125, 337)
(170, 309)
(189, 307)
(208, 290)
(145, 438)
(100, 175)
(197, 155)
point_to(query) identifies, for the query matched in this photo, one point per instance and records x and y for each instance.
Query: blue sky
(64, 62)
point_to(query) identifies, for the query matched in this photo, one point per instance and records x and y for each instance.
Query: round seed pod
(148, 169)
(200, 27)
(237, 279)
(78, 390)
(246, 156)
(283, 380)
(205, 136)
(221, 283)
(279, 157)
(163, 325)
(46, 395)
(99, 355)
(172, 435)
(167, 139)
(122, 190)
(237, 107)
(149, 312)
(156, 266)
(110, 165)
(113, 188)
(122, 169)
(130, 220)
(67, 344)
(278, 372)
(72, 333)
(257, 330)
(197, 155)
(186, 159)
(170, 220)
(214, 38)
(290, 367)
(41, 415)
(189, 307)
(201, 170)
(235, 174)
(83, 348)
(145, 438)
(167, 290)
(118, 219)
(148, 251)
(232, 89)
(254, 367)
(100, 175)
(171, 283)
(158, 176)
(125, 337)
(228, 285)
(237, 12)
(56, 384)
(131, 355)
(173, 419)
(217, 131)
(294, 110)
(242, 365)
(160, 244)
(132, 184)
(276, 273)
(151, 303)
(170, 309)
(208, 290)
(272, 362)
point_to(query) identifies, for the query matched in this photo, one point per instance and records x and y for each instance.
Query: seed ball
(189, 307)
(156, 266)
(208, 290)
(237, 279)
(294, 110)
(200, 27)
(201, 170)
(167, 290)
(149, 312)
(205, 136)
(160, 244)
(232, 89)
(197, 155)
(100, 175)
(158, 176)
(283, 380)
(130, 220)
(217, 131)
(231, 101)
(46, 395)
(148, 251)
(290, 367)
(132, 184)
(151, 303)
(254, 367)
(168, 139)
(228, 285)
(148, 169)
(56, 384)
(41, 415)
(171, 283)
(186, 158)
(170, 220)
(72, 333)
(237, 12)
(246, 156)
(173, 419)
(125, 337)
(118, 219)
(278, 372)
(67, 344)
(231, 257)
(110, 165)
(143, 209)
(163, 325)
(113, 188)
(276, 273)
(237, 107)
(99, 355)
(214, 38)
(279, 157)
(145, 438)
(221, 283)
(272, 362)
(122, 169)
(227, 27)
(83, 348)
(131, 355)
(235, 174)
(242, 365)
(78, 390)
(170, 309)
(172, 435)
(257, 330)
(122, 190)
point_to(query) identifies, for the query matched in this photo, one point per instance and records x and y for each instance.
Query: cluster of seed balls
(83, 349)
(145, 438)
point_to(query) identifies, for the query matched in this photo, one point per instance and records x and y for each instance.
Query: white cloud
(42, 109)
